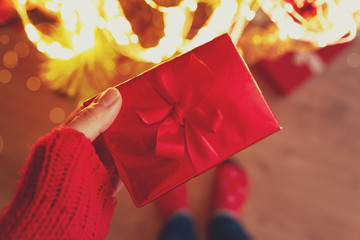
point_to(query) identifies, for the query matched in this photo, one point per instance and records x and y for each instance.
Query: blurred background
(304, 54)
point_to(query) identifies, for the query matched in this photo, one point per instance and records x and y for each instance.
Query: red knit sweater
(65, 192)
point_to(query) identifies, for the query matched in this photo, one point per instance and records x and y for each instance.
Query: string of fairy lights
(334, 21)
(91, 34)
(80, 23)
(81, 19)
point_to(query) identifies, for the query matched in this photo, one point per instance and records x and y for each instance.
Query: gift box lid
(184, 117)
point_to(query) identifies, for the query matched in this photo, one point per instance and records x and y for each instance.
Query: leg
(229, 194)
(227, 228)
(173, 208)
(179, 227)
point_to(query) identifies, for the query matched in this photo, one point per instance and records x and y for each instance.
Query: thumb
(99, 115)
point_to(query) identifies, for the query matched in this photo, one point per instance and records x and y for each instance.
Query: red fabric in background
(183, 117)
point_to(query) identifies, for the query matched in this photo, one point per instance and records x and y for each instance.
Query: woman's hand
(95, 119)
(98, 116)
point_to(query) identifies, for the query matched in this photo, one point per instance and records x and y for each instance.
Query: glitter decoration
(57, 115)
(5, 76)
(10, 59)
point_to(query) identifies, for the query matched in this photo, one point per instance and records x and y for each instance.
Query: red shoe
(230, 188)
(173, 202)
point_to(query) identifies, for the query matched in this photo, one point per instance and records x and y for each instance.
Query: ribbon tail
(170, 141)
(200, 151)
(198, 80)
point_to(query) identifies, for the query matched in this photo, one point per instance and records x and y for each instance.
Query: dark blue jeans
(220, 228)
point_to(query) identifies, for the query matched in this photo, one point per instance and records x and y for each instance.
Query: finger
(72, 116)
(99, 115)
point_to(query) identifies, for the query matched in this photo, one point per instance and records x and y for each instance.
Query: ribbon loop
(184, 121)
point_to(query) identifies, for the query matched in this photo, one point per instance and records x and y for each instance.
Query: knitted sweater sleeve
(65, 192)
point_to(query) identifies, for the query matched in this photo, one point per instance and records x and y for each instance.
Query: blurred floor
(305, 181)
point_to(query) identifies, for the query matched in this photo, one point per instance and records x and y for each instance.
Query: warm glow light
(54, 49)
(81, 23)
(91, 34)
(22, 49)
(111, 8)
(4, 39)
(41, 46)
(278, 14)
(52, 6)
(109, 65)
(33, 84)
(353, 60)
(32, 33)
(192, 5)
(247, 12)
(124, 68)
(290, 28)
(101, 23)
(250, 16)
(134, 38)
(327, 27)
(174, 22)
(288, 7)
(10, 59)
(57, 115)
(5, 76)
(219, 22)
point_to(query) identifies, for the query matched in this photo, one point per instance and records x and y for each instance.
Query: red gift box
(183, 117)
(289, 71)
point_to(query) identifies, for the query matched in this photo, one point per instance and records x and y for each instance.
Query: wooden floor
(305, 179)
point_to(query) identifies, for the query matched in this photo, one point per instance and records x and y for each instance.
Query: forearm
(64, 192)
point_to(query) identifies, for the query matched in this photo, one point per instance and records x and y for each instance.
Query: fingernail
(109, 96)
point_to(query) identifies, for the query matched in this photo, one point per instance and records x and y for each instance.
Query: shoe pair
(228, 196)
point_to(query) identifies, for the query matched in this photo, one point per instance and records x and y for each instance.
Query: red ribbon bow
(184, 119)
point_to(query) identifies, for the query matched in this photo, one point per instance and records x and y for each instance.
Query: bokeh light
(22, 49)
(353, 60)
(124, 69)
(57, 115)
(4, 39)
(10, 59)
(5, 76)
(33, 83)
